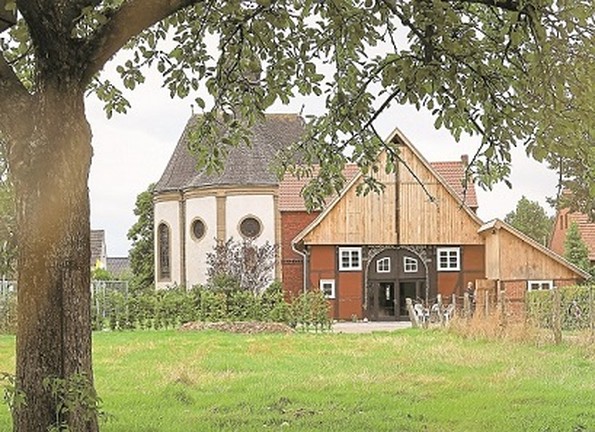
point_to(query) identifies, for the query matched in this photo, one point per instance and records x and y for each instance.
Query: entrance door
(411, 289)
(386, 300)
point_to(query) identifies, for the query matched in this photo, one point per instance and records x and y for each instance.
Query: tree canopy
(513, 72)
(576, 250)
(531, 219)
(141, 234)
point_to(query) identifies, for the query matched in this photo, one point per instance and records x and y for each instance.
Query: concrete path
(369, 327)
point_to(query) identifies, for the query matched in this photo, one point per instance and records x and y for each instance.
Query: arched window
(163, 248)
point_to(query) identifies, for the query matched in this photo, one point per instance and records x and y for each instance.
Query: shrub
(575, 308)
(310, 310)
(8, 312)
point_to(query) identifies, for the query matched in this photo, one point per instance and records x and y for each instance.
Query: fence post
(501, 308)
(556, 318)
(440, 314)
(592, 312)
(466, 306)
(412, 314)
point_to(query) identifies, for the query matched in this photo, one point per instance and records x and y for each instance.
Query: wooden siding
(398, 215)
(520, 260)
(443, 221)
(492, 255)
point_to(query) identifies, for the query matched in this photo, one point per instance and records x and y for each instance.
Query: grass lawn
(404, 381)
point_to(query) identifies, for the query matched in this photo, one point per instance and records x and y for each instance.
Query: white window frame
(410, 265)
(380, 265)
(350, 266)
(331, 284)
(448, 251)
(541, 283)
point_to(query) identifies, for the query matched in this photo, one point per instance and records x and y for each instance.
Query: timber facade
(418, 238)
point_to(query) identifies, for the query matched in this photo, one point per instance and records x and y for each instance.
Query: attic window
(198, 229)
(250, 227)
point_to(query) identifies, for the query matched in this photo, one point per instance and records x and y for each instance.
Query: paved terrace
(370, 326)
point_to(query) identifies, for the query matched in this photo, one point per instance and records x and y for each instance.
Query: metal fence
(102, 292)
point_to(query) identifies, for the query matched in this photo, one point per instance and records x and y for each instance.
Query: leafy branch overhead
(511, 72)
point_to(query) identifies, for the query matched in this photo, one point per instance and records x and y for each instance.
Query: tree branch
(133, 17)
(14, 97)
(509, 5)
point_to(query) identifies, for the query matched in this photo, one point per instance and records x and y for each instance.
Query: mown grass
(403, 381)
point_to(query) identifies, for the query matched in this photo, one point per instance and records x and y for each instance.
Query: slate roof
(244, 166)
(97, 246)
(451, 172)
(118, 266)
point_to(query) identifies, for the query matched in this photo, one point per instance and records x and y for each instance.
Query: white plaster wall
(262, 206)
(168, 212)
(204, 208)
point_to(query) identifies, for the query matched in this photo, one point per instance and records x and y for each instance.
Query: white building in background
(194, 210)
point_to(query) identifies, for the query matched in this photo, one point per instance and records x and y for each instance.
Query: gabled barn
(418, 238)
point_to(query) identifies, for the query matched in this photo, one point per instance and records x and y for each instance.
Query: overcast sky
(131, 151)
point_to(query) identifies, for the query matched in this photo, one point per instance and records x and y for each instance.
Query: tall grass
(410, 380)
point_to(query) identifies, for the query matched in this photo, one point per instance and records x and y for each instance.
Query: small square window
(410, 265)
(540, 285)
(327, 286)
(350, 258)
(383, 265)
(449, 259)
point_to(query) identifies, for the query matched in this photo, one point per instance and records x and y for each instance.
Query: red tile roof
(451, 172)
(585, 227)
(290, 188)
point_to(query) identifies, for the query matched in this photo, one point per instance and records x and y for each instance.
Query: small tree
(141, 234)
(576, 250)
(241, 265)
(531, 219)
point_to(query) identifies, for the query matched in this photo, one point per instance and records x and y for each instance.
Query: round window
(250, 227)
(198, 229)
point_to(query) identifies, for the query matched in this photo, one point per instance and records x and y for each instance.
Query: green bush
(170, 308)
(575, 309)
(310, 310)
(8, 313)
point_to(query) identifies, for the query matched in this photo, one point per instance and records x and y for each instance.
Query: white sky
(131, 151)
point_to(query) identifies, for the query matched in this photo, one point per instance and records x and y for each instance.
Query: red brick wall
(472, 268)
(514, 292)
(322, 266)
(350, 294)
(292, 223)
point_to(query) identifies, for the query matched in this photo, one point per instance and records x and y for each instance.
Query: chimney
(465, 160)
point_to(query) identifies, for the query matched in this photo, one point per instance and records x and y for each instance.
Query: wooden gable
(511, 255)
(403, 213)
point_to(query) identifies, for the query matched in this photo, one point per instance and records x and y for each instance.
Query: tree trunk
(50, 171)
